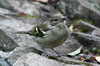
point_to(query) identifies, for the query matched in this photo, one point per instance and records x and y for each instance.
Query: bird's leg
(56, 52)
(45, 51)
(49, 54)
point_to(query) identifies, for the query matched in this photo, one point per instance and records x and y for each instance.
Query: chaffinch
(51, 33)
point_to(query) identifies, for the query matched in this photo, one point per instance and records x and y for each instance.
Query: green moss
(82, 28)
(88, 21)
(75, 21)
(96, 50)
(85, 20)
(27, 16)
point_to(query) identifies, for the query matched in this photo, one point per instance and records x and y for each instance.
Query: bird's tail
(21, 32)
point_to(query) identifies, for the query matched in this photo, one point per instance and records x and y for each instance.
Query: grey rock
(24, 6)
(96, 44)
(80, 9)
(6, 43)
(19, 51)
(96, 32)
(3, 62)
(85, 39)
(42, 11)
(9, 40)
(88, 40)
(45, 9)
(5, 4)
(33, 59)
(32, 8)
(4, 11)
(10, 26)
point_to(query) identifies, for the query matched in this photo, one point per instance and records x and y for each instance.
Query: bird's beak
(63, 17)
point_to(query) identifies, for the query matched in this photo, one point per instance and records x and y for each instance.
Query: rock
(46, 9)
(32, 8)
(24, 6)
(96, 33)
(10, 41)
(85, 39)
(4, 11)
(5, 54)
(5, 4)
(10, 26)
(6, 43)
(33, 59)
(19, 51)
(81, 9)
(96, 44)
(88, 40)
(42, 11)
(3, 62)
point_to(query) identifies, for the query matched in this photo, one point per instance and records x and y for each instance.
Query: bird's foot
(59, 55)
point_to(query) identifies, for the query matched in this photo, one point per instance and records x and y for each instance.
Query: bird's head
(57, 19)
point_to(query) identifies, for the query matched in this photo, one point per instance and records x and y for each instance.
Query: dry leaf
(71, 28)
(75, 52)
(97, 58)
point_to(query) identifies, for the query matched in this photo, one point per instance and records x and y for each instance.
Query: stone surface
(32, 8)
(4, 11)
(6, 43)
(10, 41)
(3, 62)
(5, 54)
(5, 4)
(33, 59)
(24, 6)
(10, 26)
(96, 43)
(81, 9)
(19, 51)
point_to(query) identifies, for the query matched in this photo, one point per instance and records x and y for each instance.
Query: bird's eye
(52, 20)
(55, 19)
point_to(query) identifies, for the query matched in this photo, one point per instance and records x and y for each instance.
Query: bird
(51, 33)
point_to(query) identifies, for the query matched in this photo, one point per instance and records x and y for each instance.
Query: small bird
(51, 33)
